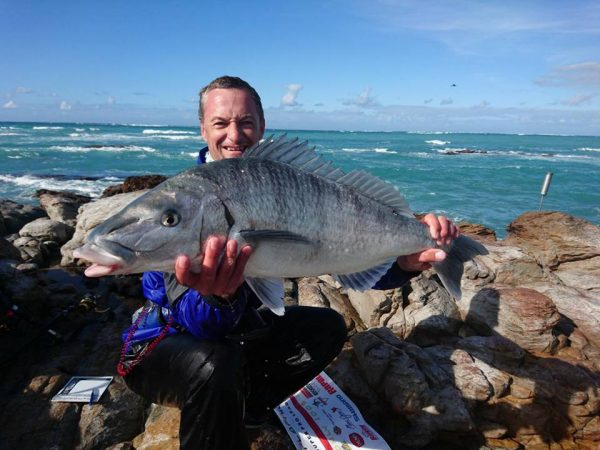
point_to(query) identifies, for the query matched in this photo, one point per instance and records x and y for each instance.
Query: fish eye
(170, 218)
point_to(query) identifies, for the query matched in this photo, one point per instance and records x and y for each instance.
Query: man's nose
(234, 132)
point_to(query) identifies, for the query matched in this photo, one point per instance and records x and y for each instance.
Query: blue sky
(518, 66)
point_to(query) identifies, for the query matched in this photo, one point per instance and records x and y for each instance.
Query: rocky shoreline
(514, 364)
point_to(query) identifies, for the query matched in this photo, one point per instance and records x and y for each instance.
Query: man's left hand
(443, 231)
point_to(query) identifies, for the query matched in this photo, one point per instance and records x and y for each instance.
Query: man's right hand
(222, 279)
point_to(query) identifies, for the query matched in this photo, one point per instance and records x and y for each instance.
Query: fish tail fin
(450, 270)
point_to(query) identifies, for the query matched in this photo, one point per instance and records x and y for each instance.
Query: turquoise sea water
(484, 178)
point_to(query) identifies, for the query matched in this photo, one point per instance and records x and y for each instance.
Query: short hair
(228, 82)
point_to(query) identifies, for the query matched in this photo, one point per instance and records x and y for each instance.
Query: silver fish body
(302, 216)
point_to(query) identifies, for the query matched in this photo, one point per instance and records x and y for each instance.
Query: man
(203, 343)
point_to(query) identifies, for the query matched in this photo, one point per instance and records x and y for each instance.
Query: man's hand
(443, 231)
(221, 279)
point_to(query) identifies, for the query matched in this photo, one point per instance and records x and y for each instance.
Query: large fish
(302, 216)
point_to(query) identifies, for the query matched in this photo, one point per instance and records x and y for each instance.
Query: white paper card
(83, 389)
(321, 417)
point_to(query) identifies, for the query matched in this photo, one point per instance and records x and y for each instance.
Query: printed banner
(321, 417)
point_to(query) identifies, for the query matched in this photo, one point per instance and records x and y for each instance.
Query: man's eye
(170, 218)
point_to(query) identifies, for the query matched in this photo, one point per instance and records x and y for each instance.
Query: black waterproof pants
(217, 383)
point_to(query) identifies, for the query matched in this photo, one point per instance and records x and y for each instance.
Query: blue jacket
(207, 317)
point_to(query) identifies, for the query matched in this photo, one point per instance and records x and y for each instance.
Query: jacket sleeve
(205, 317)
(394, 278)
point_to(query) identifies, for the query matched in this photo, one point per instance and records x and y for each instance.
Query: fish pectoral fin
(256, 236)
(365, 280)
(270, 292)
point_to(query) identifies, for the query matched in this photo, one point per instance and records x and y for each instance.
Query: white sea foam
(588, 149)
(355, 150)
(175, 138)
(385, 150)
(104, 148)
(437, 142)
(168, 132)
(8, 133)
(48, 128)
(30, 183)
(15, 157)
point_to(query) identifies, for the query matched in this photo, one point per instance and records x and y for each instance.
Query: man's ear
(262, 128)
(202, 131)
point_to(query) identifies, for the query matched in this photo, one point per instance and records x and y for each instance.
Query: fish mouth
(106, 259)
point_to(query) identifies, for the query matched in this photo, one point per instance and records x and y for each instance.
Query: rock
(15, 215)
(554, 238)
(61, 206)
(522, 315)
(132, 184)
(568, 246)
(582, 307)
(47, 230)
(90, 215)
(161, 430)
(323, 292)
(8, 250)
(116, 417)
(479, 232)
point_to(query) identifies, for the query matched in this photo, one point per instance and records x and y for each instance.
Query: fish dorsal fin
(362, 281)
(302, 156)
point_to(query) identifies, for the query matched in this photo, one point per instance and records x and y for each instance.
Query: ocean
(482, 178)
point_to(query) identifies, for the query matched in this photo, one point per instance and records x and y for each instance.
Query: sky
(509, 66)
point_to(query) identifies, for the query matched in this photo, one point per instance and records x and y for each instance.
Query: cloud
(446, 101)
(441, 118)
(364, 100)
(428, 101)
(483, 104)
(577, 100)
(23, 90)
(9, 105)
(289, 98)
(110, 100)
(585, 74)
(65, 106)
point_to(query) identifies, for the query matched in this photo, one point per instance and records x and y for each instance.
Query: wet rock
(61, 206)
(133, 184)
(15, 215)
(47, 230)
(8, 250)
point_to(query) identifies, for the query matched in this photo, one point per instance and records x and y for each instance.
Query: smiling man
(231, 119)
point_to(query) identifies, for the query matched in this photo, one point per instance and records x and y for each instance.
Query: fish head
(148, 234)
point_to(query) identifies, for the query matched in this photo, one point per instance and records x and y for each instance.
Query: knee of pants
(225, 367)
(337, 331)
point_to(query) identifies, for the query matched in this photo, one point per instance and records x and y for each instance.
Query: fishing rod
(545, 187)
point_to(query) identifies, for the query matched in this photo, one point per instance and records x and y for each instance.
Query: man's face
(230, 123)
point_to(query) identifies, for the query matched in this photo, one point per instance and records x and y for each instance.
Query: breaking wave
(102, 148)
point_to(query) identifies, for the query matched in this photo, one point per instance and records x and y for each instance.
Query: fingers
(421, 261)
(441, 229)
(221, 268)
